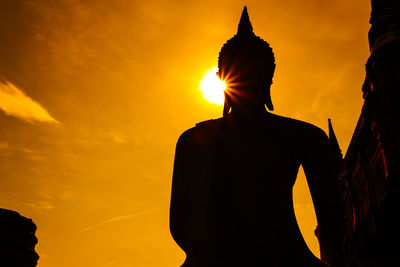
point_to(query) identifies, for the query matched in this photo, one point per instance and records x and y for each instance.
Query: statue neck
(248, 112)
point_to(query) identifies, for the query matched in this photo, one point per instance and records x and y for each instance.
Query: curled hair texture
(245, 54)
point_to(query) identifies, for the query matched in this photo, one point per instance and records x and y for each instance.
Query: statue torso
(241, 180)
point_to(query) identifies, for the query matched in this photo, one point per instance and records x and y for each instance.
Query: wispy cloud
(4, 145)
(119, 218)
(40, 205)
(15, 102)
(117, 137)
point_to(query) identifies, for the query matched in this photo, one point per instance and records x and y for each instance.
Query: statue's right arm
(180, 202)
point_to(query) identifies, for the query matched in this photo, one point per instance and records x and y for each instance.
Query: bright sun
(212, 87)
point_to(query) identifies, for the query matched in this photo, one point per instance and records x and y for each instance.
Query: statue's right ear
(220, 75)
(227, 104)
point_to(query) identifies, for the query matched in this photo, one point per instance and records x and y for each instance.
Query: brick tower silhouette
(370, 173)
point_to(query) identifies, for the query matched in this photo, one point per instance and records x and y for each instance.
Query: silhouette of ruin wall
(370, 174)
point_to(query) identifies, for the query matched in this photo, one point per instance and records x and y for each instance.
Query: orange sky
(96, 93)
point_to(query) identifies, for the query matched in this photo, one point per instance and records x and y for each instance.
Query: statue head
(246, 63)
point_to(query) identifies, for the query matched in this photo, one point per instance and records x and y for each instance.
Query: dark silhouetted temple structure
(370, 173)
(17, 240)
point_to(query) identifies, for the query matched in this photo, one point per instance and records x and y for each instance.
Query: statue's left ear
(267, 100)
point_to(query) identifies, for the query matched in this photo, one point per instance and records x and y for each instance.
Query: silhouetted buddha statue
(232, 202)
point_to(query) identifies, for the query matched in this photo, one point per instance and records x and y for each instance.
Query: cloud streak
(14, 102)
(119, 218)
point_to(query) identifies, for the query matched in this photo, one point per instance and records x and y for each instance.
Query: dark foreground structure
(17, 240)
(370, 174)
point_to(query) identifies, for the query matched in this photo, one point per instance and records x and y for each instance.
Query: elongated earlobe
(227, 105)
(268, 101)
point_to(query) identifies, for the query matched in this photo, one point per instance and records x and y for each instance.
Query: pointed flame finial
(245, 27)
(334, 142)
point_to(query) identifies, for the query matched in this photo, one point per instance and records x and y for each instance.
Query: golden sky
(94, 94)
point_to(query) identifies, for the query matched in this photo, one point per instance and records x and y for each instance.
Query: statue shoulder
(201, 133)
(312, 131)
(209, 124)
(302, 129)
